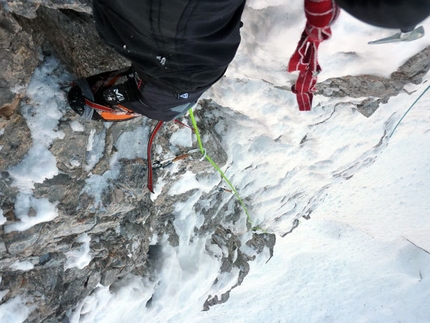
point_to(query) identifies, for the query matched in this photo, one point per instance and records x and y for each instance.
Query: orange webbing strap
(110, 114)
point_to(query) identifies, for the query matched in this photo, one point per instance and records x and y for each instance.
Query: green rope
(407, 111)
(203, 151)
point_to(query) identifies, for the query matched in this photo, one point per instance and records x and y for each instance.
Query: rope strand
(407, 111)
(203, 151)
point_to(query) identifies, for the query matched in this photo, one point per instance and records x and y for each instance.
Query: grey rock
(18, 142)
(414, 69)
(368, 106)
(19, 54)
(3, 249)
(75, 41)
(123, 222)
(29, 8)
(20, 243)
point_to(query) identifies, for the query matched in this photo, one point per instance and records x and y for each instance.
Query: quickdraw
(149, 158)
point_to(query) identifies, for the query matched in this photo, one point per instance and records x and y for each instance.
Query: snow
(39, 164)
(95, 185)
(95, 149)
(131, 293)
(362, 255)
(14, 310)
(127, 147)
(77, 126)
(43, 111)
(31, 211)
(2, 218)
(182, 137)
(189, 179)
(79, 257)
(352, 260)
(22, 265)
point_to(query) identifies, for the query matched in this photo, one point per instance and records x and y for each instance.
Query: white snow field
(364, 254)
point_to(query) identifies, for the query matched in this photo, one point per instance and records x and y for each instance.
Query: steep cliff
(74, 209)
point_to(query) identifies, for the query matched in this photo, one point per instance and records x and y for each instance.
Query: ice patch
(3, 292)
(95, 149)
(14, 310)
(225, 281)
(123, 301)
(182, 138)
(187, 273)
(133, 144)
(47, 102)
(75, 163)
(91, 140)
(42, 111)
(186, 219)
(129, 145)
(184, 184)
(158, 189)
(189, 181)
(81, 256)
(76, 126)
(39, 164)
(23, 265)
(31, 211)
(95, 186)
(2, 218)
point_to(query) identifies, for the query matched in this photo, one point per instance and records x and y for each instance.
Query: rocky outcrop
(75, 41)
(18, 59)
(375, 89)
(97, 195)
(26, 32)
(29, 8)
(117, 226)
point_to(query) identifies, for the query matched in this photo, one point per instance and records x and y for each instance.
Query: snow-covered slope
(363, 253)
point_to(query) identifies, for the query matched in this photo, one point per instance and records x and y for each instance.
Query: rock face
(18, 58)
(376, 89)
(117, 226)
(28, 8)
(98, 192)
(76, 41)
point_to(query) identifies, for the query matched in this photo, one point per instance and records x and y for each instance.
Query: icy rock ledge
(87, 220)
